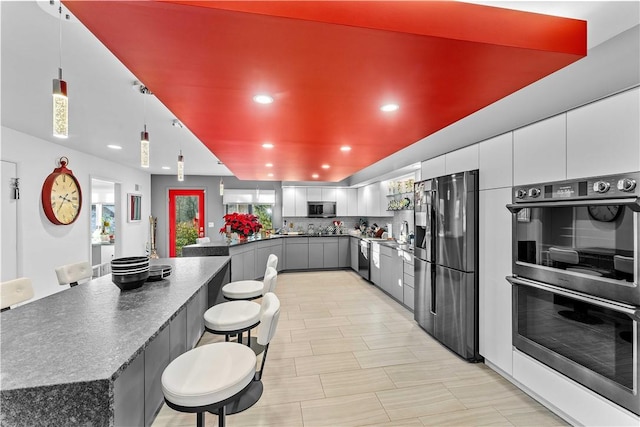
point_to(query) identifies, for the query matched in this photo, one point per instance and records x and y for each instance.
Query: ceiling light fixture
(345, 148)
(270, 175)
(267, 145)
(269, 165)
(144, 135)
(389, 107)
(315, 176)
(60, 100)
(114, 147)
(325, 166)
(263, 99)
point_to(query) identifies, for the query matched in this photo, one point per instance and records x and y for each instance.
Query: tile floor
(346, 354)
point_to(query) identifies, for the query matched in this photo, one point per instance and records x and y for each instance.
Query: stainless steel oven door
(589, 246)
(590, 340)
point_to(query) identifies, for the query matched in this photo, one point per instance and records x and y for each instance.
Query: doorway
(9, 223)
(104, 223)
(186, 219)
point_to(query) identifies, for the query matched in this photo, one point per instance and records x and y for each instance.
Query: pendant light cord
(60, 35)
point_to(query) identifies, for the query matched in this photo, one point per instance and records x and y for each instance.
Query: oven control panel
(603, 187)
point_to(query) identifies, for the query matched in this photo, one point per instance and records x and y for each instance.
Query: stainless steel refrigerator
(446, 260)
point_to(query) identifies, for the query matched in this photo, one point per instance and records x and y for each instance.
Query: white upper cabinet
(495, 160)
(604, 137)
(352, 201)
(301, 201)
(464, 159)
(329, 194)
(540, 152)
(363, 195)
(314, 194)
(342, 203)
(288, 201)
(433, 168)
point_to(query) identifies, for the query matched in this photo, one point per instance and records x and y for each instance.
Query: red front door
(186, 219)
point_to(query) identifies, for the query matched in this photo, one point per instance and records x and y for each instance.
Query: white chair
(250, 289)
(72, 274)
(15, 291)
(221, 377)
(202, 240)
(236, 317)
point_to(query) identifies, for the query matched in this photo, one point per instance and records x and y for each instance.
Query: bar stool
(15, 291)
(249, 289)
(236, 317)
(207, 378)
(266, 331)
(72, 274)
(210, 377)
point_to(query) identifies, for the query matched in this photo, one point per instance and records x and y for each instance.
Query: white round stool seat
(243, 289)
(209, 374)
(232, 316)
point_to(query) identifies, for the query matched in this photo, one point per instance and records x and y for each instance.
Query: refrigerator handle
(433, 307)
(434, 224)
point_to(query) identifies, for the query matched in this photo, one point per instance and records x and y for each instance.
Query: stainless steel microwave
(321, 209)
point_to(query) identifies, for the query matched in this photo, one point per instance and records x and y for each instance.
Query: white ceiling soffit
(252, 197)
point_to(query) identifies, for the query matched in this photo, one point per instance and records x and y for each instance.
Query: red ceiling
(329, 65)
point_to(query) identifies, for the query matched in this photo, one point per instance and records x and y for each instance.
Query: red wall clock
(61, 195)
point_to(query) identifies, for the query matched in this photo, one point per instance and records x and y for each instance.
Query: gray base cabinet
(344, 253)
(331, 256)
(391, 269)
(374, 265)
(297, 253)
(243, 262)
(408, 281)
(263, 250)
(316, 254)
(354, 249)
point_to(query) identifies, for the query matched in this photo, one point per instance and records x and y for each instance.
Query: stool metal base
(245, 401)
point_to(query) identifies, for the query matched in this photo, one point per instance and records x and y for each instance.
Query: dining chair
(15, 291)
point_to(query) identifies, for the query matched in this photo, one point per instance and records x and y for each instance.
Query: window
(263, 212)
(257, 202)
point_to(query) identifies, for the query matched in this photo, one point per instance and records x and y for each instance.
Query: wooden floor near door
(346, 354)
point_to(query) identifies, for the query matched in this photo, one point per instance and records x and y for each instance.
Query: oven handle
(633, 204)
(629, 310)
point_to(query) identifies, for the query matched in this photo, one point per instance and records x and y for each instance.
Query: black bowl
(130, 281)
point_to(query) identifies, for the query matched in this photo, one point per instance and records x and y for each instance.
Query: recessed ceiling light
(114, 147)
(345, 148)
(267, 145)
(315, 176)
(389, 107)
(166, 168)
(263, 99)
(269, 175)
(325, 166)
(269, 165)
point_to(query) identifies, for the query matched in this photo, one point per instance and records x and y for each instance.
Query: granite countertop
(93, 331)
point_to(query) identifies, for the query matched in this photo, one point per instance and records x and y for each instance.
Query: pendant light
(180, 167)
(144, 148)
(144, 135)
(177, 124)
(60, 100)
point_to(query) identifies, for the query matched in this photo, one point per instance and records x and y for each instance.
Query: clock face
(604, 213)
(65, 198)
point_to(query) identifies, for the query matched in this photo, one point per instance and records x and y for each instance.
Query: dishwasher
(363, 258)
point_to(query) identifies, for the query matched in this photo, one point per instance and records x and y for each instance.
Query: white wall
(42, 246)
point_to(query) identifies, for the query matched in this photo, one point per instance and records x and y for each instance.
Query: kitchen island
(93, 355)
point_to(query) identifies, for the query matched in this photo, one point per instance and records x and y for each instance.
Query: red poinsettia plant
(242, 224)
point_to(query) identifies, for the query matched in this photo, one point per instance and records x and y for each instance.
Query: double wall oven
(576, 299)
